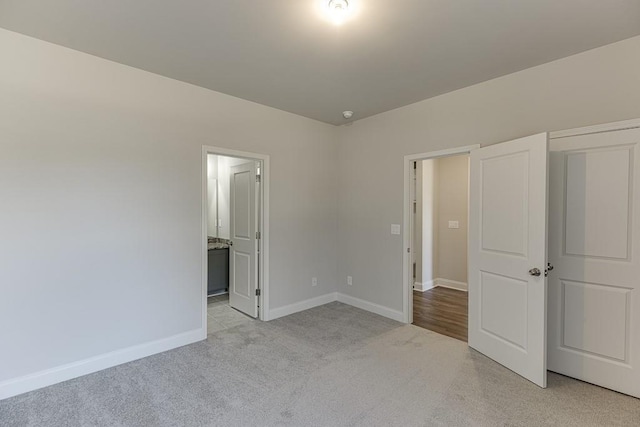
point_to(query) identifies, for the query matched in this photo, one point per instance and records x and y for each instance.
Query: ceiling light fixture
(347, 114)
(338, 11)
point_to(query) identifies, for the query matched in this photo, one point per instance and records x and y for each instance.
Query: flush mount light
(338, 11)
(347, 114)
(339, 6)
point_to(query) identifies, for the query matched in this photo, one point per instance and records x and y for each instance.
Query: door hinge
(258, 178)
(258, 235)
(257, 292)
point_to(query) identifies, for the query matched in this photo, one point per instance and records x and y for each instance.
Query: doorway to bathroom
(235, 237)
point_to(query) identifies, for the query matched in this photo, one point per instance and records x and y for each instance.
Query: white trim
(407, 282)
(69, 371)
(336, 296)
(605, 127)
(451, 284)
(424, 286)
(263, 278)
(372, 307)
(302, 305)
(441, 153)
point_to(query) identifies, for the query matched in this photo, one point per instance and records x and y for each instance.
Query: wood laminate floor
(442, 310)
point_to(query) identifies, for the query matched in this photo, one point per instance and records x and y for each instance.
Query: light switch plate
(395, 228)
(454, 224)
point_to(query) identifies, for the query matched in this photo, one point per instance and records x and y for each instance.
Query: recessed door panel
(596, 319)
(241, 273)
(505, 203)
(504, 298)
(242, 204)
(597, 201)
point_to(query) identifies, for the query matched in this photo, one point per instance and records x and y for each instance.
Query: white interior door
(594, 302)
(243, 260)
(507, 241)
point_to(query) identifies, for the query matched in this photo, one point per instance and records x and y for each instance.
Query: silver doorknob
(535, 272)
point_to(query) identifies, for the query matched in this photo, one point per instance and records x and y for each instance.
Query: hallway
(442, 310)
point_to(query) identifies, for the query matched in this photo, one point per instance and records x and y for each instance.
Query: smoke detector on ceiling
(347, 114)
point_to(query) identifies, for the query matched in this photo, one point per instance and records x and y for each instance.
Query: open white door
(243, 260)
(507, 255)
(594, 291)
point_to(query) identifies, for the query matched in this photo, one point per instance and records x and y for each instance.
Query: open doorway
(436, 210)
(234, 232)
(439, 241)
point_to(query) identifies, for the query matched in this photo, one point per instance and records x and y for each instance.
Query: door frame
(263, 243)
(605, 127)
(407, 241)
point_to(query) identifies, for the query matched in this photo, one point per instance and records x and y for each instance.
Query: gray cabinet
(218, 271)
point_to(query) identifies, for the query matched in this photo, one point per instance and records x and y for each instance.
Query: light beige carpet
(333, 365)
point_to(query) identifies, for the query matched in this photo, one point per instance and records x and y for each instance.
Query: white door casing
(243, 259)
(594, 301)
(507, 238)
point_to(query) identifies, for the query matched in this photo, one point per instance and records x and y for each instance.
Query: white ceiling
(280, 53)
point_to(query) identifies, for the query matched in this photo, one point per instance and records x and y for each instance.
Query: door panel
(507, 238)
(504, 225)
(243, 260)
(241, 203)
(605, 330)
(494, 290)
(590, 176)
(593, 291)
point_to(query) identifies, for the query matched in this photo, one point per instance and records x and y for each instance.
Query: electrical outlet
(314, 281)
(349, 280)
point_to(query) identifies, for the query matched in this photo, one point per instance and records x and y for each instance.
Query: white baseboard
(69, 371)
(452, 284)
(372, 307)
(301, 306)
(335, 296)
(424, 286)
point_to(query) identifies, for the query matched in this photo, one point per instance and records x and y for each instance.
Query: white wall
(429, 253)
(452, 205)
(212, 195)
(100, 182)
(598, 86)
